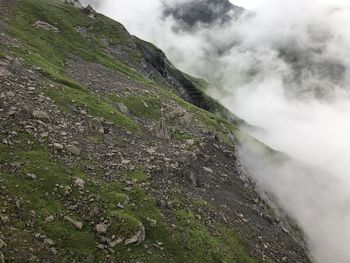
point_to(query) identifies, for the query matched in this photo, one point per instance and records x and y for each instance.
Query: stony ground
(98, 166)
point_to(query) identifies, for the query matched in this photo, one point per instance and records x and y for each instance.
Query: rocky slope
(110, 154)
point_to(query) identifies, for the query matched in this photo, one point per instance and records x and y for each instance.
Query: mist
(283, 67)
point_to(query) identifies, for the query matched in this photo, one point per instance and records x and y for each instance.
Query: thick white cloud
(252, 4)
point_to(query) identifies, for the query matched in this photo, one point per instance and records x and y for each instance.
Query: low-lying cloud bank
(284, 67)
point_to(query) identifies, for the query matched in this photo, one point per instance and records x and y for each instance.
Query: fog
(283, 67)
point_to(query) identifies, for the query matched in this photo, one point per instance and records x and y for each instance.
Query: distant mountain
(193, 12)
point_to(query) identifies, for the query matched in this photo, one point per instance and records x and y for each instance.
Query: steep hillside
(110, 154)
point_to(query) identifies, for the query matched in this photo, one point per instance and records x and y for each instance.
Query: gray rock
(77, 224)
(80, 183)
(53, 250)
(2, 244)
(75, 3)
(232, 137)
(2, 257)
(208, 170)
(4, 72)
(48, 242)
(190, 142)
(120, 206)
(193, 179)
(50, 218)
(161, 131)
(58, 146)
(90, 11)
(5, 220)
(151, 150)
(73, 150)
(114, 242)
(46, 26)
(152, 222)
(101, 228)
(123, 108)
(44, 135)
(23, 114)
(138, 238)
(31, 176)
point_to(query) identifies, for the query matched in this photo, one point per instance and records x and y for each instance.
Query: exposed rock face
(75, 3)
(46, 26)
(161, 131)
(90, 11)
(206, 12)
(156, 66)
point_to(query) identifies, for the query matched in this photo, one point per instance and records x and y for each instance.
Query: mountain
(108, 153)
(204, 12)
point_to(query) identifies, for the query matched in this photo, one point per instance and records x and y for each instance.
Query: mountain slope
(103, 158)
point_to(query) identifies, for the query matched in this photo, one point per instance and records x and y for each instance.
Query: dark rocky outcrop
(158, 66)
(205, 12)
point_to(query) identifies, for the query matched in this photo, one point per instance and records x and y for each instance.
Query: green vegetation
(2, 55)
(191, 241)
(179, 135)
(66, 96)
(41, 44)
(44, 196)
(141, 106)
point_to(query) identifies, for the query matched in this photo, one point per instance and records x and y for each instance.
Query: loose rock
(78, 225)
(5, 220)
(40, 115)
(138, 238)
(80, 183)
(2, 257)
(58, 146)
(50, 218)
(73, 150)
(208, 170)
(123, 108)
(101, 228)
(46, 26)
(161, 131)
(4, 72)
(2, 244)
(49, 242)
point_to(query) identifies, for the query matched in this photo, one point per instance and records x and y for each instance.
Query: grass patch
(49, 50)
(140, 106)
(42, 196)
(66, 96)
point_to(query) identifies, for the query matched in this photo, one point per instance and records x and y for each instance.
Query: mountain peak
(205, 12)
